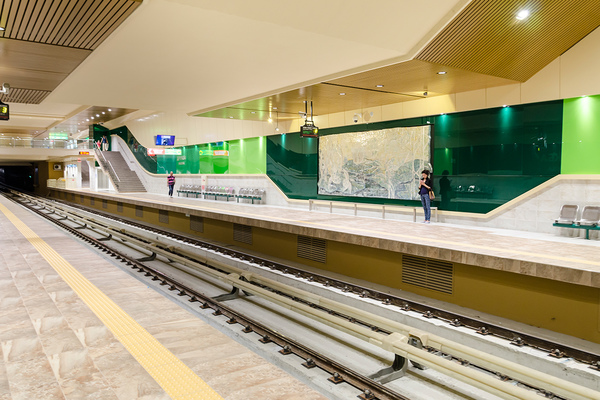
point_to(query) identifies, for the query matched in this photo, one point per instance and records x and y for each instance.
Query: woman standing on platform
(424, 188)
(171, 183)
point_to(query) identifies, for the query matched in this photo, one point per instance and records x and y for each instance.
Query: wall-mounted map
(385, 163)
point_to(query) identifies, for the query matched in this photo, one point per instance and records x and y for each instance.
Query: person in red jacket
(171, 183)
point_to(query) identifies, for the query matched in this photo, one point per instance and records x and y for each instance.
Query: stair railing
(108, 167)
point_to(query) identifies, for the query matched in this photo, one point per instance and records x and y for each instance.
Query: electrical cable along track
(414, 352)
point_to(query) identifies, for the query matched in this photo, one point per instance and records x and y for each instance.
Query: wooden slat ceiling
(45, 40)
(484, 46)
(27, 96)
(487, 38)
(82, 24)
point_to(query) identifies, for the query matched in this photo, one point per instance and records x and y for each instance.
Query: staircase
(124, 179)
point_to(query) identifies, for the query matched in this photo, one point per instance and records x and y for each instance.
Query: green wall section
(244, 156)
(581, 136)
(491, 155)
(248, 156)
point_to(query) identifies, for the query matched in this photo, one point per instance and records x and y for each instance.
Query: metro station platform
(75, 326)
(565, 259)
(542, 280)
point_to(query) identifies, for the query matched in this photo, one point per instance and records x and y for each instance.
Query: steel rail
(397, 342)
(515, 337)
(370, 389)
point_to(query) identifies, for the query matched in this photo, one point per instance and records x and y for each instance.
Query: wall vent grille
(139, 211)
(163, 216)
(92, 201)
(242, 233)
(312, 249)
(72, 196)
(81, 198)
(196, 223)
(104, 203)
(119, 206)
(428, 273)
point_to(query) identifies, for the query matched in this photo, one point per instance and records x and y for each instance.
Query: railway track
(368, 388)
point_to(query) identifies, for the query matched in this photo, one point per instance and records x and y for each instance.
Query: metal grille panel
(92, 201)
(119, 206)
(242, 233)
(104, 203)
(139, 211)
(81, 200)
(196, 223)
(428, 273)
(163, 216)
(312, 248)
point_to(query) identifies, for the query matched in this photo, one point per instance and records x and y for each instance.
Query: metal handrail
(114, 174)
(85, 144)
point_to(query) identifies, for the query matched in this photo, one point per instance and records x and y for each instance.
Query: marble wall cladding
(158, 184)
(538, 212)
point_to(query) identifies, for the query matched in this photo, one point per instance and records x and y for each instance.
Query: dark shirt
(424, 190)
(171, 180)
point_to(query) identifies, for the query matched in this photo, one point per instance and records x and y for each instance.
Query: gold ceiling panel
(486, 37)
(400, 82)
(326, 100)
(416, 77)
(90, 116)
(81, 24)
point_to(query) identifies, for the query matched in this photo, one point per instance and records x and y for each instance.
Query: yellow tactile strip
(177, 379)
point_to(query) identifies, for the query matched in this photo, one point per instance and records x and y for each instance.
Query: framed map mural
(386, 163)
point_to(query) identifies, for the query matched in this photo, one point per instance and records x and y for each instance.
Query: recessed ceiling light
(109, 109)
(88, 119)
(270, 120)
(252, 112)
(442, 73)
(379, 85)
(92, 117)
(342, 94)
(97, 115)
(505, 105)
(230, 117)
(1, 28)
(103, 112)
(274, 108)
(521, 15)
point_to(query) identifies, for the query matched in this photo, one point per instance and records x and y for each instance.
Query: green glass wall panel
(581, 136)
(292, 164)
(248, 156)
(491, 156)
(140, 152)
(244, 156)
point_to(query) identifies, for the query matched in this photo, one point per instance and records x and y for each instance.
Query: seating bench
(587, 228)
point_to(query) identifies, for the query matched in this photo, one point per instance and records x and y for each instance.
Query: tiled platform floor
(573, 260)
(55, 347)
